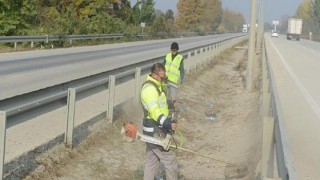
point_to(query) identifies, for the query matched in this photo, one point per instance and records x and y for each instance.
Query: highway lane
(295, 67)
(23, 72)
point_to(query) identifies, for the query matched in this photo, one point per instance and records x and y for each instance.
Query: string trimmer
(131, 133)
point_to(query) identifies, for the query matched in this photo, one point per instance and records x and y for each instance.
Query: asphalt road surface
(295, 67)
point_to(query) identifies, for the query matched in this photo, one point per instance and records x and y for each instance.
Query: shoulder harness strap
(154, 84)
(157, 88)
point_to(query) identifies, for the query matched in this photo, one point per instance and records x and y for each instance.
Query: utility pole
(260, 27)
(251, 49)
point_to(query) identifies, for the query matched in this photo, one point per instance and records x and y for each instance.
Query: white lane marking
(315, 107)
(312, 50)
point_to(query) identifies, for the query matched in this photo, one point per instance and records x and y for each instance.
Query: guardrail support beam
(266, 104)
(137, 84)
(3, 128)
(265, 85)
(188, 65)
(268, 147)
(71, 105)
(111, 89)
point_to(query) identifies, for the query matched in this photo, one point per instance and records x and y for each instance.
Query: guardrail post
(208, 56)
(15, 45)
(223, 46)
(265, 72)
(281, 170)
(268, 147)
(71, 105)
(137, 80)
(188, 63)
(31, 44)
(200, 56)
(214, 50)
(111, 87)
(3, 128)
(203, 56)
(196, 59)
(266, 104)
(266, 83)
(211, 52)
(217, 49)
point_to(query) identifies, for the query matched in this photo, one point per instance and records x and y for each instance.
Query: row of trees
(21, 17)
(65, 17)
(199, 15)
(231, 21)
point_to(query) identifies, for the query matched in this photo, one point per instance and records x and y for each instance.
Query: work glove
(168, 125)
(166, 143)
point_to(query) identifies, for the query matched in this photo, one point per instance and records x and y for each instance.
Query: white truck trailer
(294, 28)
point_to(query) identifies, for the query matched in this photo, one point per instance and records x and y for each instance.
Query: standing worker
(173, 64)
(157, 123)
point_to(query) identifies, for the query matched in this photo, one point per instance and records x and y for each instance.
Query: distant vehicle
(274, 34)
(294, 28)
(244, 28)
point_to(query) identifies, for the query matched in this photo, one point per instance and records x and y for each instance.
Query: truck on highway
(294, 28)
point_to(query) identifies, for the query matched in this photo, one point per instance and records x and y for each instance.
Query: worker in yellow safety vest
(173, 64)
(156, 123)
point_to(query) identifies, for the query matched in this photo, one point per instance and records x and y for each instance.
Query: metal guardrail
(50, 38)
(70, 38)
(194, 58)
(273, 156)
(47, 38)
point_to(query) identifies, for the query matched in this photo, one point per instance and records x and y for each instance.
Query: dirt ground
(217, 117)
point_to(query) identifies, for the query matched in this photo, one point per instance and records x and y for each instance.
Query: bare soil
(217, 118)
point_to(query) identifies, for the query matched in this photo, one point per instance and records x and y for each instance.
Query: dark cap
(175, 46)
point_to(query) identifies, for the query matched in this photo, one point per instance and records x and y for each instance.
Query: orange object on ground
(130, 130)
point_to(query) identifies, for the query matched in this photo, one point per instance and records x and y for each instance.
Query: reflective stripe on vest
(172, 67)
(148, 129)
(151, 104)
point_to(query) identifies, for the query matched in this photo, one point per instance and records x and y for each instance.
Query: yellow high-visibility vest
(172, 67)
(153, 102)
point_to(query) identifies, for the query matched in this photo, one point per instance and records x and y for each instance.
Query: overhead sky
(274, 9)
